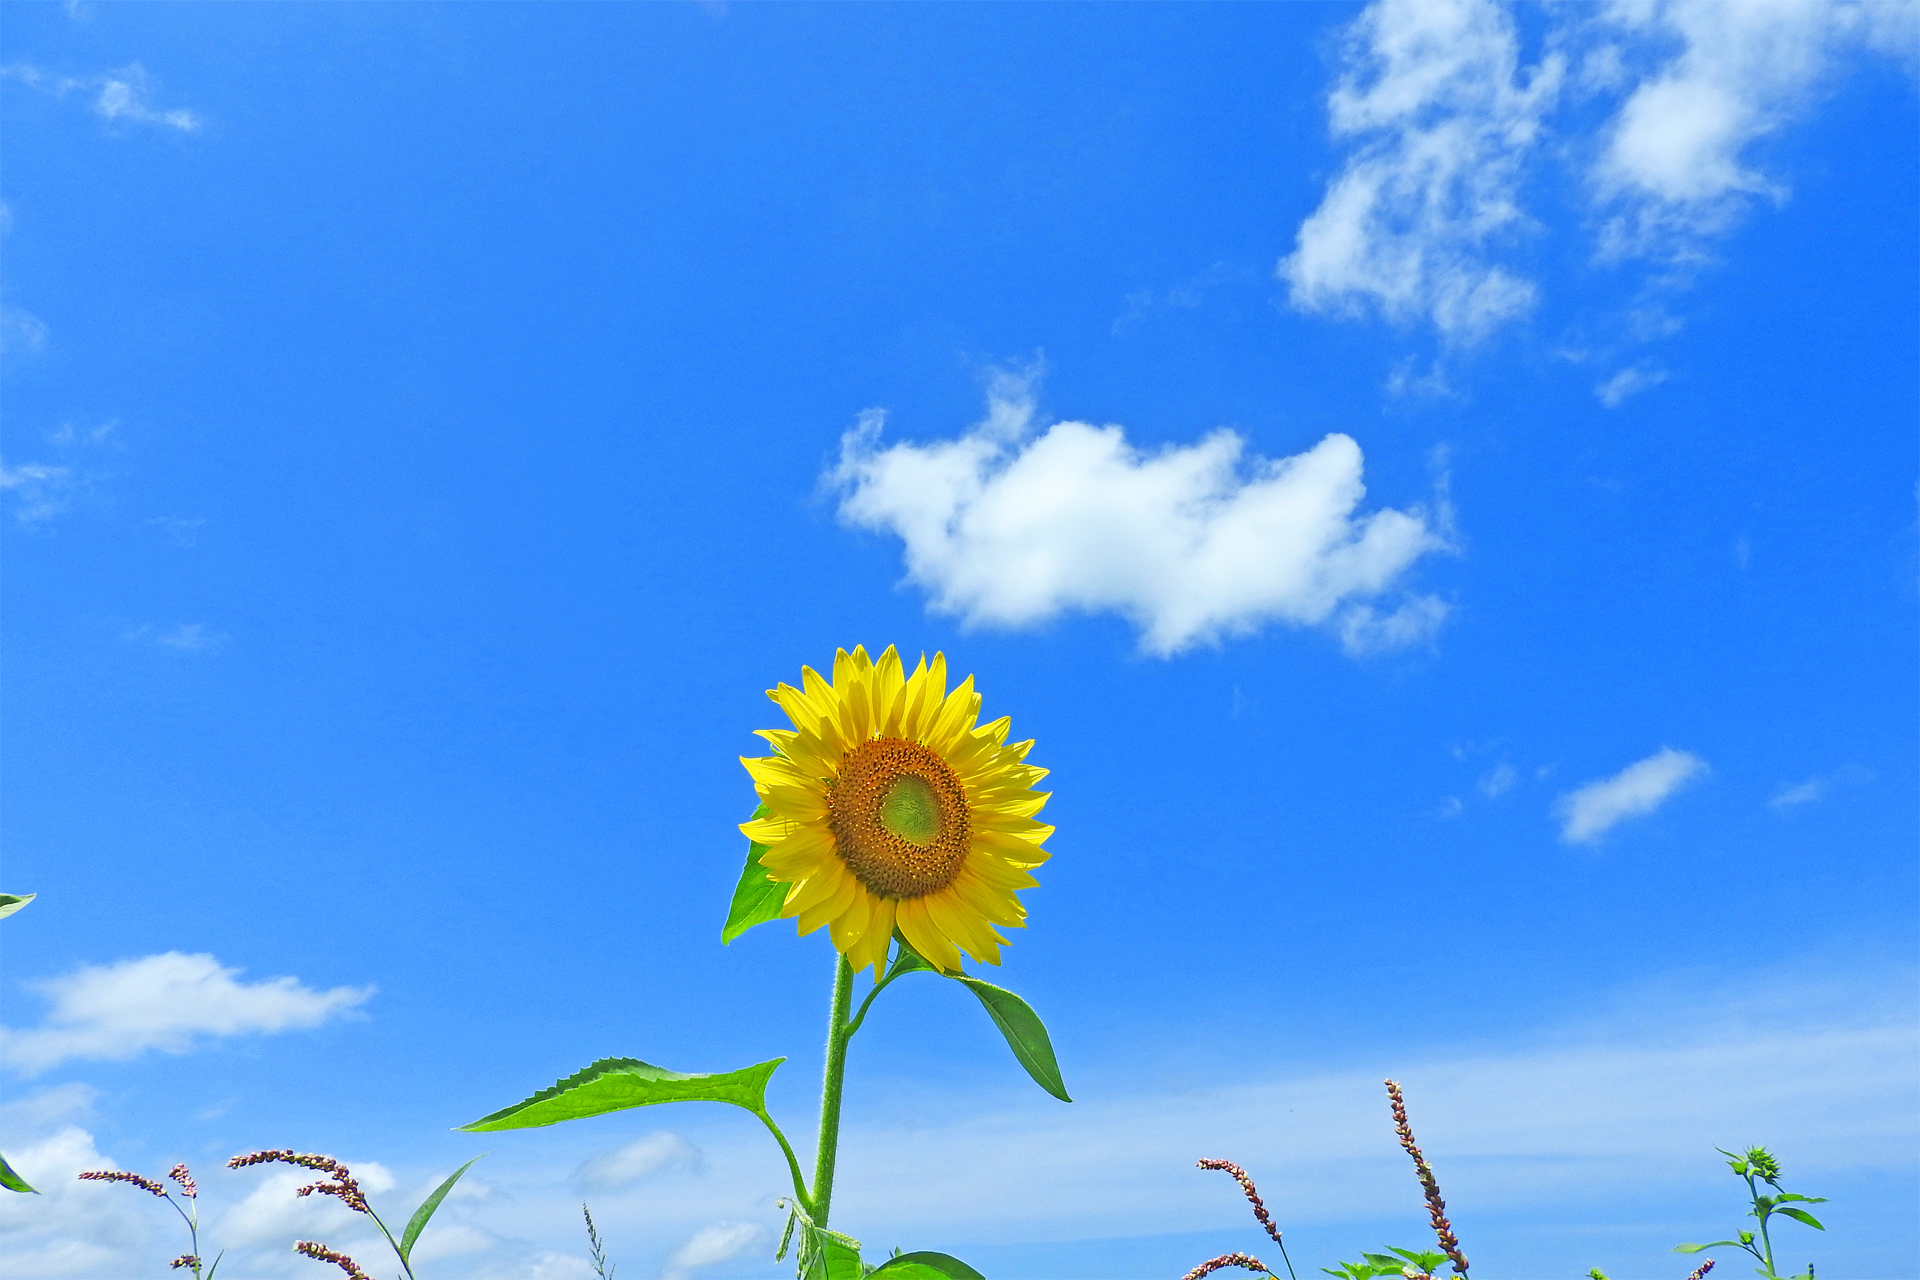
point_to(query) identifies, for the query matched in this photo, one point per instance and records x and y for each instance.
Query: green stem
(793, 1163)
(830, 1090)
(404, 1265)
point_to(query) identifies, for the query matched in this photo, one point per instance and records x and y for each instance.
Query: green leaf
(1695, 1248)
(1801, 1215)
(907, 960)
(12, 902)
(1786, 1196)
(1426, 1259)
(925, 1264)
(835, 1257)
(216, 1263)
(424, 1213)
(1026, 1034)
(614, 1084)
(13, 1181)
(756, 899)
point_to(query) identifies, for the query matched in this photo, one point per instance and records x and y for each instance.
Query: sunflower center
(911, 811)
(899, 818)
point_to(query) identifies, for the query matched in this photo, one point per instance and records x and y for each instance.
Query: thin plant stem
(830, 1089)
(793, 1161)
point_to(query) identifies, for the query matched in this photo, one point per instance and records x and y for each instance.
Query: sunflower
(887, 808)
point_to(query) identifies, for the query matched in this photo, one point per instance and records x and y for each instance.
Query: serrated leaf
(13, 1181)
(756, 899)
(1801, 1215)
(615, 1084)
(925, 1264)
(424, 1213)
(1026, 1034)
(12, 902)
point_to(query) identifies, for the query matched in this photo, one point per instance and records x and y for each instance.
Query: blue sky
(1437, 481)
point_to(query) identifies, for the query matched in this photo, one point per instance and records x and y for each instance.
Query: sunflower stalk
(838, 1033)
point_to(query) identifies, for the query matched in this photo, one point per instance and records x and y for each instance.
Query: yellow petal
(767, 830)
(815, 889)
(913, 922)
(800, 855)
(821, 912)
(850, 926)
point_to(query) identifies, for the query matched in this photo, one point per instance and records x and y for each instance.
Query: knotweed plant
(1407, 1263)
(340, 1183)
(891, 818)
(189, 1213)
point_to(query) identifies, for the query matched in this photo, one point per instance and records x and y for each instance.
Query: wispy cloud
(1626, 383)
(1800, 793)
(711, 1246)
(21, 330)
(1622, 1106)
(610, 1170)
(162, 1002)
(125, 94)
(38, 491)
(1442, 118)
(1589, 812)
(1704, 80)
(1446, 129)
(1192, 543)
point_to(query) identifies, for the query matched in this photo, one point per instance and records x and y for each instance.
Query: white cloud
(39, 490)
(1191, 543)
(189, 636)
(711, 1246)
(73, 1228)
(1627, 382)
(1804, 793)
(1444, 120)
(610, 1170)
(1589, 812)
(1446, 129)
(1621, 1107)
(1673, 164)
(21, 329)
(1498, 781)
(162, 1002)
(125, 94)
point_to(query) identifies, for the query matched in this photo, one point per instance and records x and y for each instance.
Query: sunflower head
(888, 807)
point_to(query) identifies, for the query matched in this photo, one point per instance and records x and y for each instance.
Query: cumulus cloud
(125, 94)
(610, 1170)
(1589, 812)
(709, 1247)
(1442, 118)
(1445, 129)
(1192, 543)
(162, 1002)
